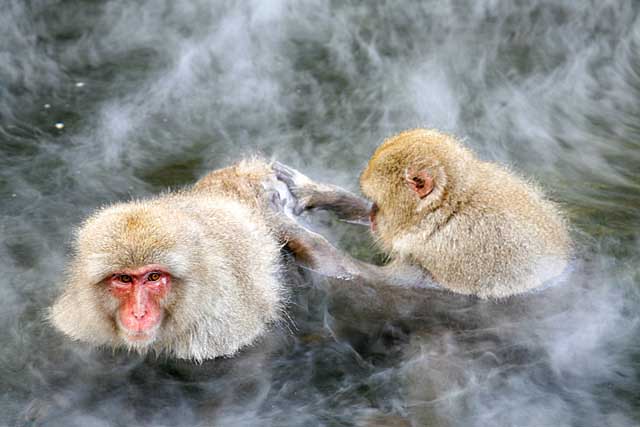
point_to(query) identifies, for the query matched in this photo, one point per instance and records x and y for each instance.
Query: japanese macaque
(193, 274)
(463, 235)
(476, 228)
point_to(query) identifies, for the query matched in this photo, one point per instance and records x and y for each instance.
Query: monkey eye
(153, 277)
(125, 278)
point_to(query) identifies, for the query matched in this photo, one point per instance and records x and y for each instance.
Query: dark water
(107, 100)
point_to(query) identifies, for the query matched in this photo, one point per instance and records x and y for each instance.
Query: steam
(152, 94)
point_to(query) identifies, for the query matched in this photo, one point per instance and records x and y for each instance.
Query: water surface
(103, 101)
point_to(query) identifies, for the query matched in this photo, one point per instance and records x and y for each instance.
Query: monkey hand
(302, 188)
(281, 201)
(308, 194)
(311, 250)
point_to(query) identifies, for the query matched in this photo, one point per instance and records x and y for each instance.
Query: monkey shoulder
(232, 223)
(238, 268)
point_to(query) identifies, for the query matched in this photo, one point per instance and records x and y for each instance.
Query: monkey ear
(421, 182)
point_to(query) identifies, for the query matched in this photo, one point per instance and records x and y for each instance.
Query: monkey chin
(138, 340)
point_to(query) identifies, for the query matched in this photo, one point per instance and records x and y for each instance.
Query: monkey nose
(139, 314)
(139, 309)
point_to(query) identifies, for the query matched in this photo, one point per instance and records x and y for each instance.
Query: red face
(140, 292)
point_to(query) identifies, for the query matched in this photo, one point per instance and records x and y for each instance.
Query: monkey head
(410, 176)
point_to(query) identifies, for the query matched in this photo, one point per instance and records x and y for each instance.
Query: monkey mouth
(372, 217)
(139, 337)
(138, 340)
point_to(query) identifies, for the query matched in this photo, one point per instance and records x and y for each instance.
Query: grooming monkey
(471, 227)
(475, 227)
(193, 274)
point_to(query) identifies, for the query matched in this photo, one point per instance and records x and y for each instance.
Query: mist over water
(108, 101)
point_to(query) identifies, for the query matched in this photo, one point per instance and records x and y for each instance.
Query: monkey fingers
(310, 249)
(300, 186)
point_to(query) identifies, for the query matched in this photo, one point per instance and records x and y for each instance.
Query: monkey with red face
(194, 274)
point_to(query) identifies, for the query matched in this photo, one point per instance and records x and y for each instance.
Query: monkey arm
(313, 195)
(311, 250)
(366, 293)
(399, 290)
(314, 252)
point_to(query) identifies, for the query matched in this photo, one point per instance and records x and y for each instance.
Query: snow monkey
(193, 274)
(475, 227)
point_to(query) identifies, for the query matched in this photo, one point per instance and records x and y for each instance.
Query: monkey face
(140, 293)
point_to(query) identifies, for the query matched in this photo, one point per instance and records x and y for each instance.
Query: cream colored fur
(217, 243)
(482, 230)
